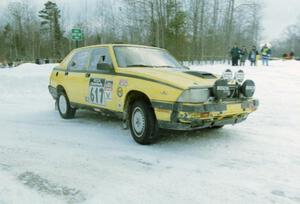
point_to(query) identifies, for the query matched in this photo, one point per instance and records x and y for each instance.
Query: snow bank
(28, 69)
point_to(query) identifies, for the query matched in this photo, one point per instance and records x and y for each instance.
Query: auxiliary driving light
(221, 89)
(227, 75)
(248, 88)
(239, 76)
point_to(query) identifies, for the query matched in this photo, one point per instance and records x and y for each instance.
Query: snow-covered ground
(91, 159)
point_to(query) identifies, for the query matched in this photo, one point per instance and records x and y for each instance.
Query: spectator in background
(10, 64)
(235, 55)
(252, 56)
(285, 56)
(266, 54)
(243, 55)
(38, 61)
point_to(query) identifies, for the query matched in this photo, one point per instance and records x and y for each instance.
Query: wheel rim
(62, 104)
(138, 122)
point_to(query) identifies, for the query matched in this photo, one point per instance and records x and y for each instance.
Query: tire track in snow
(40, 184)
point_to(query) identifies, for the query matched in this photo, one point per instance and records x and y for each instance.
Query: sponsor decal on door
(100, 91)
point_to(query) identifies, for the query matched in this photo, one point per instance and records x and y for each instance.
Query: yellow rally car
(149, 90)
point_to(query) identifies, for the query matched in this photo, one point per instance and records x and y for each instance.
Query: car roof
(117, 45)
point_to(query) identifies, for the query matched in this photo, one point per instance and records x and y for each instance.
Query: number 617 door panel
(100, 90)
(100, 87)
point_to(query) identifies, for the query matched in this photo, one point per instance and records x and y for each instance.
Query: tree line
(193, 30)
(290, 43)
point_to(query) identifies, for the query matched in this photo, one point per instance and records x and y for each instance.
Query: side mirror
(104, 67)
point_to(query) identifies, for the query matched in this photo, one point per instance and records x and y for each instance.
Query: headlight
(194, 96)
(221, 89)
(227, 75)
(239, 76)
(248, 88)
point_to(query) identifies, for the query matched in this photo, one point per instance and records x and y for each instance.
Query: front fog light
(248, 88)
(194, 96)
(227, 75)
(239, 76)
(221, 89)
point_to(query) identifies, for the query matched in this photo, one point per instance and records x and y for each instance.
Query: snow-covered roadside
(44, 159)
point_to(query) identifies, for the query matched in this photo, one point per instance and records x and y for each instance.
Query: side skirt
(104, 111)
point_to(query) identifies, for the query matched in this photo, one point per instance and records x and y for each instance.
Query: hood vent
(204, 75)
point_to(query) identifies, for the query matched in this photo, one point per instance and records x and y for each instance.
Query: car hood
(182, 79)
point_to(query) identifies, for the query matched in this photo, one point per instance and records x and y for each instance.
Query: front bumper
(201, 124)
(181, 116)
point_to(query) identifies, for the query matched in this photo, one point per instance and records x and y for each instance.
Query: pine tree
(175, 29)
(50, 21)
(8, 41)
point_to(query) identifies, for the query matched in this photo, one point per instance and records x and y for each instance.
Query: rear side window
(79, 61)
(99, 55)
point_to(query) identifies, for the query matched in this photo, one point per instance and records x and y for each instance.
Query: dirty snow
(91, 159)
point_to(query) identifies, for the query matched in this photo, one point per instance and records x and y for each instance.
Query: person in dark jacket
(243, 56)
(253, 56)
(235, 55)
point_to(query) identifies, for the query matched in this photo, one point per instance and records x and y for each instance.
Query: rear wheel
(143, 124)
(64, 108)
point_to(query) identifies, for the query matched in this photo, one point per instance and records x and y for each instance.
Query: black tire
(217, 127)
(143, 123)
(66, 112)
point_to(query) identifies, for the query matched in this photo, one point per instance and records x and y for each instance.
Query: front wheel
(143, 124)
(64, 108)
(217, 127)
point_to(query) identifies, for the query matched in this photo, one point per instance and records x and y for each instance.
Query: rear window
(79, 61)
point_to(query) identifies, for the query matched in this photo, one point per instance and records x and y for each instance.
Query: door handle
(87, 75)
(66, 73)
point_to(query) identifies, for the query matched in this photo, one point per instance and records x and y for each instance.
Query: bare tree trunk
(195, 22)
(215, 24)
(202, 29)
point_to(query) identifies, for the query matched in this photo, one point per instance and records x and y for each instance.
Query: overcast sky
(276, 16)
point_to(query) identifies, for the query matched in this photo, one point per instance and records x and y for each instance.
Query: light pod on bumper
(221, 89)
(239, 76)
(248, 88)
(227, 75)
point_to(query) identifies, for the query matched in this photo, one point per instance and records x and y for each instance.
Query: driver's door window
(99, 56)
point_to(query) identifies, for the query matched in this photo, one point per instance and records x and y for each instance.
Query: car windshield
(129, 57)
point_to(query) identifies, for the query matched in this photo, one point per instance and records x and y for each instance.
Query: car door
(76, 76)
(101, 86)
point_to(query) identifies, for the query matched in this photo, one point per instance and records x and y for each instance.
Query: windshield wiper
(164, 66)
(168, 66)
(138, 65)
(159, 66)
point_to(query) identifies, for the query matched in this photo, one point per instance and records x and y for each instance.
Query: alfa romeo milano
(149, 90)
